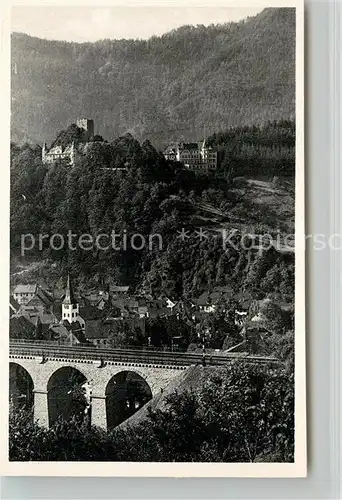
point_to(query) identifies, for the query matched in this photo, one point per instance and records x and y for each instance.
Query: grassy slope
(260, 201)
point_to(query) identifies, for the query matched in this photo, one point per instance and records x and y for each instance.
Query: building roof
(136, 305)
(184, 305)
(157, 304)
(40, 297)
(29, 310)
(69, 148)
(207, 298)
(31, 288)
(203, 299)
(35, 316)
(74, 326)
(47, 319)
(117, 288)
(57, 309)
(76, 329)
(187, 146)
(227, 289)
(244, 299)
(93, 297)
(220, 293)
(277, 302)
(44, 295)
(32, 318)
(102, 329)
(128, 303)
(168, 301)
(59, 330)
(170, 150)
(58, 294)
(69, 294)
(96, 300)
(89, 312)
(63, 334)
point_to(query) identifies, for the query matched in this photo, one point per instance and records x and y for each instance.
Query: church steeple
(69, 293)
(70, 306)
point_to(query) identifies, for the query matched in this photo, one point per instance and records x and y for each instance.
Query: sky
(88, 24)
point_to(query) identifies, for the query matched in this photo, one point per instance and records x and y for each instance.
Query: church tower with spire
(70, 306)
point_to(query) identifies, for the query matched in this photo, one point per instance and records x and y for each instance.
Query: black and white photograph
(156, 311)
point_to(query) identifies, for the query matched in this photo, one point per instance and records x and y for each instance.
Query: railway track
(89, 353)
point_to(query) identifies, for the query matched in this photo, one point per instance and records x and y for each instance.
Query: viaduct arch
(126, 393)
(113, 385)
(20, 386)
(65, 396)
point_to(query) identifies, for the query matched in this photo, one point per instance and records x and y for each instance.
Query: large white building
(24, 293)
(70, 151)
(58, 153)
(193, 155)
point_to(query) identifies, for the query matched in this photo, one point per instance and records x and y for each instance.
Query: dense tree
(65, 440)
(151, 196)
(268, 150)
(243, 413)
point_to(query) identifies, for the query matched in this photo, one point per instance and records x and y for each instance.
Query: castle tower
(88, 126)
(70, 306)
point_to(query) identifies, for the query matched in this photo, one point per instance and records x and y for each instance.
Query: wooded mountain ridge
(172, 87)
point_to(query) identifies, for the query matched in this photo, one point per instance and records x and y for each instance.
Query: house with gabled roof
(24, 293)
(98, 299)
(66, 334)
(88, 313)
(41, 302)
(118, 289)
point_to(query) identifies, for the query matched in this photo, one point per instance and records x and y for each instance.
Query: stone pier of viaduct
(41, 370)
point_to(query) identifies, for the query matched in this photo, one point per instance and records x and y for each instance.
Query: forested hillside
(166, 88)
(156, 196)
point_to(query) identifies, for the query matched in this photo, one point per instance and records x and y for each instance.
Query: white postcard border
(125, 469)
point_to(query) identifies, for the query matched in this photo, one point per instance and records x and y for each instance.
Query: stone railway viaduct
(99, 367)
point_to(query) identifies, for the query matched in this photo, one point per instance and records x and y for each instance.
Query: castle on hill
(70, 152)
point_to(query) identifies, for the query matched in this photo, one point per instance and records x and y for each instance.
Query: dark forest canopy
(267, 150)
(170, 87)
